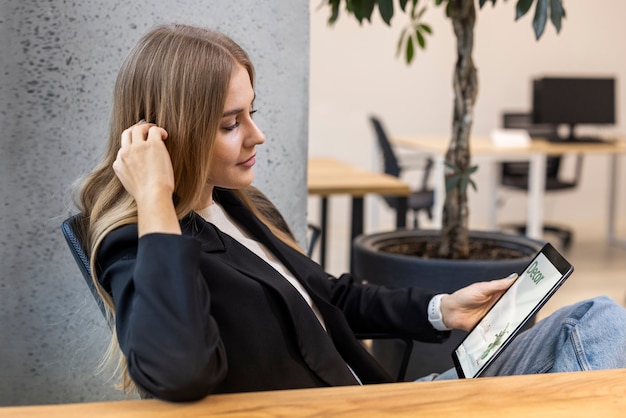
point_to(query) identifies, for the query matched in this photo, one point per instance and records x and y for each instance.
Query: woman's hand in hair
(144, 167)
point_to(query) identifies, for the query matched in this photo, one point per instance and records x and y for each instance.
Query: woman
(207, 295)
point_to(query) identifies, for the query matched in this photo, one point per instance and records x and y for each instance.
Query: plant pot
(370, 264)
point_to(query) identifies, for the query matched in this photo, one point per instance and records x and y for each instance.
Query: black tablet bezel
(562, 265)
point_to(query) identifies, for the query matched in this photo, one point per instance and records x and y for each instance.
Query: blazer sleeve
(380, 309)
(163, 314)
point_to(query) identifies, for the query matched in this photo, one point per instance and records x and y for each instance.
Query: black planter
(370, 264)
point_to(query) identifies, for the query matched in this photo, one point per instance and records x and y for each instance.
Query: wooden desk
(327, 177)
(535, 154)
(583, 394)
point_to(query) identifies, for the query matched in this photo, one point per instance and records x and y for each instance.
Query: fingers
(142, 131)
(135, 133)
(503, 283)
(126, 139)
(156, 133)
(509, 280)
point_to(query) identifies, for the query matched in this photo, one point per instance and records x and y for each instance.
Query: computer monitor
(574, 101)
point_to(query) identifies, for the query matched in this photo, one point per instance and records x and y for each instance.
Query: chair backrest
(314, 233)
(74, 232)
(390, 161)
(518, 120)
(391, 165)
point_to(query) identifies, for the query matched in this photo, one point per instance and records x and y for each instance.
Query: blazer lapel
(317, 349)
(352, 351)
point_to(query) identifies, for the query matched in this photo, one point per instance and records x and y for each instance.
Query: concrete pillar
(58, 61)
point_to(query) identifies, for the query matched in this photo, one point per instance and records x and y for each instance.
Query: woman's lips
(249, 162)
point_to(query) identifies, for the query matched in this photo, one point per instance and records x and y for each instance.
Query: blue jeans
(588, 335)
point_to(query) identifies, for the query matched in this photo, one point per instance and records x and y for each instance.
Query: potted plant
(462, 14)
(392, 258)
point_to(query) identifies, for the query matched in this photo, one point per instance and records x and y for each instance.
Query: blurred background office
(355, 73)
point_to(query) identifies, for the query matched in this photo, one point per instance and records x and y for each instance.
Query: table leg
(611, 220)
(439, 186)
(536, 189)
(323, 228)
(357, 222)
(401, 209)
(357, 217)
(493, 180)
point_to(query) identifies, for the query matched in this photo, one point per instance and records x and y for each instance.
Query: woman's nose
(255, 136)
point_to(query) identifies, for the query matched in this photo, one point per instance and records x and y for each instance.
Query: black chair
(421, 199)
(515, 175)
(74, 232)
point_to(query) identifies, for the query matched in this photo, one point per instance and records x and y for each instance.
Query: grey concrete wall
(58, 61)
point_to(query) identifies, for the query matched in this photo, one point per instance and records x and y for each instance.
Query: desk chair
(74, 232)
(515, 175)
(419, 200)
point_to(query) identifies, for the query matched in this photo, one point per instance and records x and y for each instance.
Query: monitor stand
(575, 139)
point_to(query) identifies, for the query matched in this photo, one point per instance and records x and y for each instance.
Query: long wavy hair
(177, 77)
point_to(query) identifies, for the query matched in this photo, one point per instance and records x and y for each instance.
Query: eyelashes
(236, 124)
(231, 127)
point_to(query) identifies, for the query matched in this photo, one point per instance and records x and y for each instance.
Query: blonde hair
(177, 77)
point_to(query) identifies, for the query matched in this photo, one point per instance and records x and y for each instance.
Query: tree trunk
(455, 234)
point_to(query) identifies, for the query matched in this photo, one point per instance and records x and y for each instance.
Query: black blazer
(200, 313)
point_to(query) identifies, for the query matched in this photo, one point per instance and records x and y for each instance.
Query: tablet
(534, 286)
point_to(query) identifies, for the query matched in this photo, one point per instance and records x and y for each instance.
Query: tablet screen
(522, 300)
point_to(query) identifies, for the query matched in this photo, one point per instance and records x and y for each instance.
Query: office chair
(74, 232)
(421, 199)
(515, 175)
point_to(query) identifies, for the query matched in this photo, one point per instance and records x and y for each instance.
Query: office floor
(599, 268)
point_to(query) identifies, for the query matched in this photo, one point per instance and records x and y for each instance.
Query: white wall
(354, 72)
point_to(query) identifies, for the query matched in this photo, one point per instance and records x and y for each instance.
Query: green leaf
(334, 8)
(403, 4)
(425, 28)
(452, 182)
(413, 11)
(452, 167)
(522, 7)
(385, 7)
(421, 13)
(449, 8)
(556, 13)
(401, 41)
(409, 49)
(420, 39)
(463, 185)
(460, 178)
(473, 184)
(541, 17)
(481, 3)
(362, 9)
